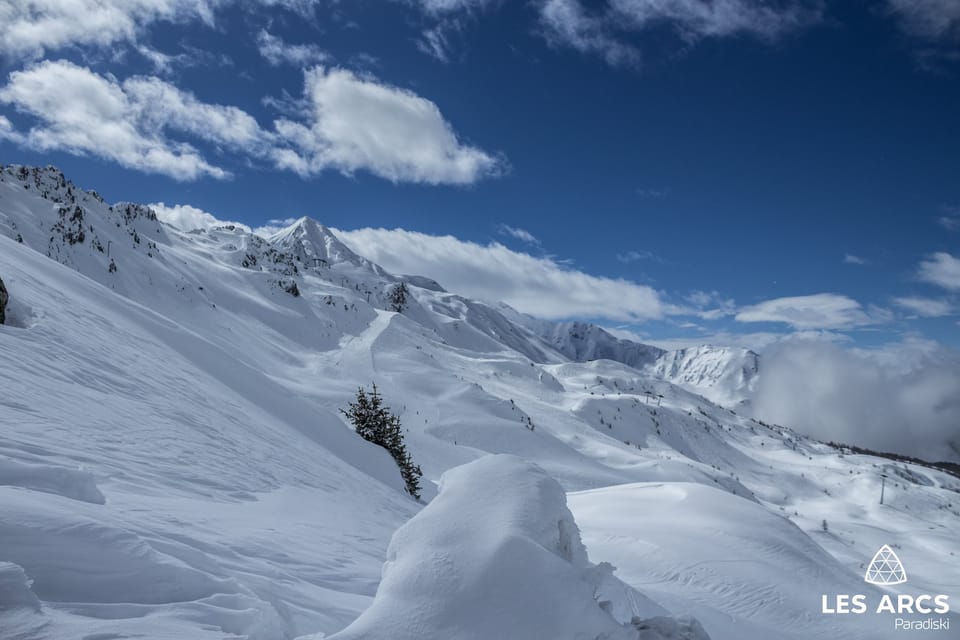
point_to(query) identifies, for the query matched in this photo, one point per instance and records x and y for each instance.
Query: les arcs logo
(885, 568)
(910, 612)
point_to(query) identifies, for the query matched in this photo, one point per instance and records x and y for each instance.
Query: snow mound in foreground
(497, 554)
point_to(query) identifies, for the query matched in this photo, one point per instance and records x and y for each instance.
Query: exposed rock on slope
(4, 298)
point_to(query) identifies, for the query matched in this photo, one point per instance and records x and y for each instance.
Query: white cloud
(160, 105)
(605, 30)
(852, 259)
(929, 19)
(635, 255)
(148, 124)
(88, 114)
(32, 27)
(187, 218)
(699, 18)
(709, 305)
(520, 234)
(277, 52)
(435, 41)
(903, 398)
(449, 6)
(273, 226)
(653, 192)
(756, 341)
(818, 311)
(941, 269)
(356, 122)
(6, 128)
(567, 23)
(925, 307)
(534, 285)
(950, 222)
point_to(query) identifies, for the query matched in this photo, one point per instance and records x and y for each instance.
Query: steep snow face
(724, 375)
(313, 244)
(152, 484)
(582, 341)
(497, 554)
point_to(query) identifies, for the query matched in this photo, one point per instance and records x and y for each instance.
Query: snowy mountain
(173, 463)
(725, 375)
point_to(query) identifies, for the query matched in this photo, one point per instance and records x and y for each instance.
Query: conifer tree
(375, 423)
(398, 297)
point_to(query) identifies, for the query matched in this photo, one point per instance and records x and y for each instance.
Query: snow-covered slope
(724, 375)
(583, 341)
(498, 555)
(172, 463)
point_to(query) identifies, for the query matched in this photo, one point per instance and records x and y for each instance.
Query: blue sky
(732, 171)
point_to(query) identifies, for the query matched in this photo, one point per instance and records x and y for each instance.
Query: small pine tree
(375, 423)
(398, 297)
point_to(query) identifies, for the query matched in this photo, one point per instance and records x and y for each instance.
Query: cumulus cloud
(941, 269)
(275, 51)
(925, 307)
(818, 311)
(32, 27)
(535, 285)
(356, 122)
(852, 259)
(148, 124)
(85, 113)
(606, 30)
(904, 398)
(187, 218)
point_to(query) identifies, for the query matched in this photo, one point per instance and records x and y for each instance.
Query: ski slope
(173, 464)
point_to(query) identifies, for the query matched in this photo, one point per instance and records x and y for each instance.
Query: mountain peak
(313, 241)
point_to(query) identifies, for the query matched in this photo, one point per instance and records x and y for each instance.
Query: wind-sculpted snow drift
(497, 554)
(172, 463)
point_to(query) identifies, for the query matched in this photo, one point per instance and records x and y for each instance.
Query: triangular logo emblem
(885, 568)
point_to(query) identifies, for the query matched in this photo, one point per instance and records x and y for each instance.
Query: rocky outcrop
(4, 298)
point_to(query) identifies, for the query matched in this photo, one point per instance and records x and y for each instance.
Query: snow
(173, 464)
(497, 554)
(724, 375)
(746, 571)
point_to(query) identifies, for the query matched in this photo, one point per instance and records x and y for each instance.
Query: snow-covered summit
(725, 375)
(314, 244)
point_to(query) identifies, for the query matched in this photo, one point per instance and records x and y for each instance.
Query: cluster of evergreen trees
(375, 423)
(397, 297)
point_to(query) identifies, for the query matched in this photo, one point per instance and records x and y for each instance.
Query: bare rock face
(4, 297)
